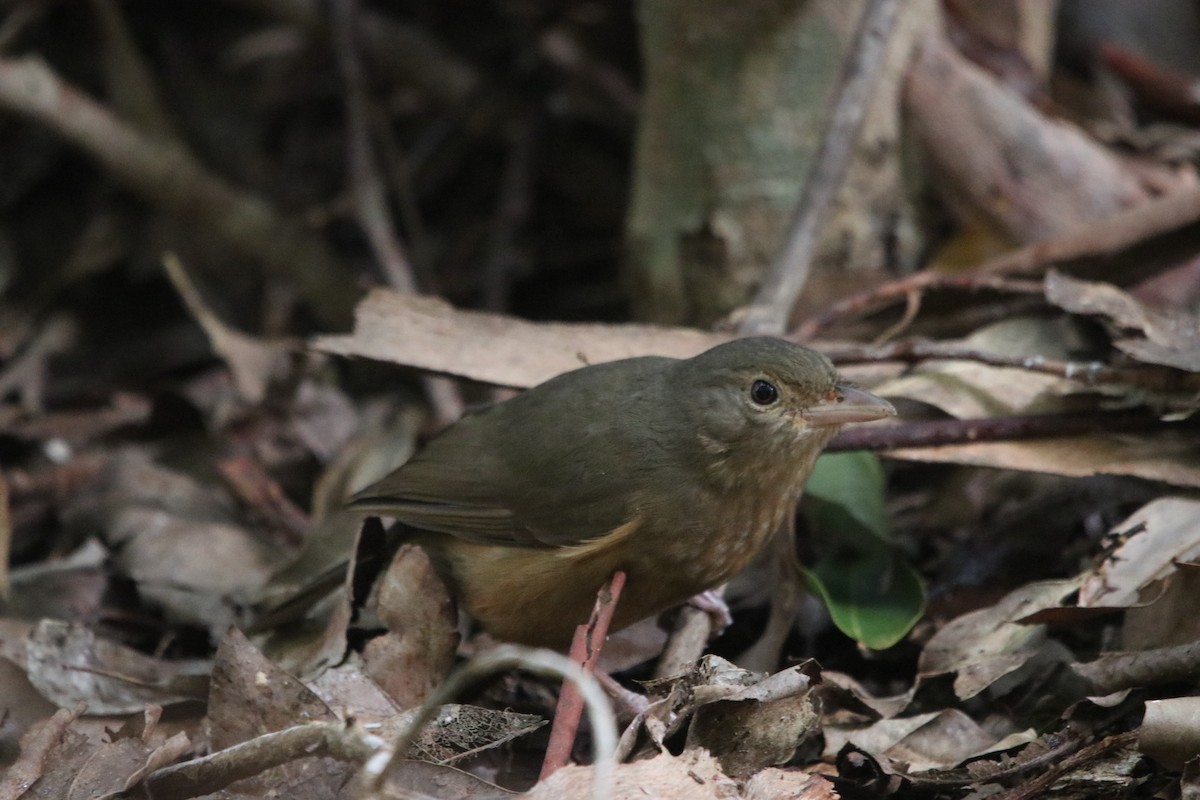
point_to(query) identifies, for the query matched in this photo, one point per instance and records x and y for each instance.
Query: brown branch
(771, 309)
(214, 772)
(1113, 672)
(1036, 787)
(166, 174)
(1104, 237)
(935, 433)
(1091, 373)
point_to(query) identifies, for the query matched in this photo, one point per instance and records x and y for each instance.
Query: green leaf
(873, 594)
(875, 600)
(847, 484)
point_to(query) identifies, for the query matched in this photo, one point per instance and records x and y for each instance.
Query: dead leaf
(249, 697)
(428, 333)
(695, 775)
(1171, 617)
(1172, 339)
(1170, 732)
(985, 645)
(1166, 457)
(50, 752)
(1166, 532)
(69, 665)
(416, 654)
(936, 740)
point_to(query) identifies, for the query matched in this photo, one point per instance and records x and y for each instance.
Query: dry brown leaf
(1166, 457)
(750, 727)
(50, 753)
(250, 696)
(1171, 617)
(428, 333)
(416, 654)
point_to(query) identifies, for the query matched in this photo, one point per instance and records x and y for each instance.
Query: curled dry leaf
(416, 654)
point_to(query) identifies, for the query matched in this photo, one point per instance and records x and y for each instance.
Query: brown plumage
(676, 471)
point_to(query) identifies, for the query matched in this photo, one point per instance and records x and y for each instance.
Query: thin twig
(1091, 373)
(218, 770)
(936, 433)
(777, 295)
(1113, 672)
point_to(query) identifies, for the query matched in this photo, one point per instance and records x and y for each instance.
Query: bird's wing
(495, 478)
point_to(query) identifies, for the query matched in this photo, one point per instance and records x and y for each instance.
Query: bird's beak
(847, 404)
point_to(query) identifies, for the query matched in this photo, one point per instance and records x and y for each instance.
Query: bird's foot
(713, 604)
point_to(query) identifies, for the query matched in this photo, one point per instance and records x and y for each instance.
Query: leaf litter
(1021, 615)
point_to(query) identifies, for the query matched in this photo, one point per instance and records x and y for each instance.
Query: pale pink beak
(847, 404)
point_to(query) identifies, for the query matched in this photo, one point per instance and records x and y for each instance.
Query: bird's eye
(763, 392)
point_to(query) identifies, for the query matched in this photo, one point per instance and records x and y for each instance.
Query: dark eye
(763, 392)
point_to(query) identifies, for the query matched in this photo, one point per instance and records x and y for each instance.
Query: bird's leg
(585, 649)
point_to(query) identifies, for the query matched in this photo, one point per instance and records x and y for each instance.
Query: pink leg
(585, 649)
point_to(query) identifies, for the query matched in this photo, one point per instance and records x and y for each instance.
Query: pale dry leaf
(1170, 731)
(774, 783)
(1170, 618)
(967, 389)
(68, 664)
(985, 645)
(1166, 457)
(935, 740)
(430, 334)
(1165, 531)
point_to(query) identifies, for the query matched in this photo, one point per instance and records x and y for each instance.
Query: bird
(676, 471)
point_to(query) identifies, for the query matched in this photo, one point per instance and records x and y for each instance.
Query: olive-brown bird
(675, 471)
